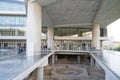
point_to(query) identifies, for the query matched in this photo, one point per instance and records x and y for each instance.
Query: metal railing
(6, 53)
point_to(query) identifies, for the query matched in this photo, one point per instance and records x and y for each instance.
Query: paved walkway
(111, 59)
(13, 66)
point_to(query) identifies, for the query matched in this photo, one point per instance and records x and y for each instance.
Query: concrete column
(105, 32)
(91, 61)
(96, 36)
(50, 35)
(40, 73)
(96, 64)
(56, 58)
(32, 76)
(53, 59)
(2, 44)
(33, 31)
(16, 32)
(78, 59)
(84, 59)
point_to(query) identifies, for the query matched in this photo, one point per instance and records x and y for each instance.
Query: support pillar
(32, 76)
(40, 73)
(56, 58)
(96, 64)
(105, 32)
(78, 59)
(33, 31)
(85, 59)
(16, 32)
(53, 59)
(50, 35)
(96, 36)
(91, 61)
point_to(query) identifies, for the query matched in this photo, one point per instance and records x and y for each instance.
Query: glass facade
(12, 21)
(70, 31)
(7, 5)
(11, 32)
(8, 20)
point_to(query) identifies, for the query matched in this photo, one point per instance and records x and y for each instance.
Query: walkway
(109, 60)
(15, 67)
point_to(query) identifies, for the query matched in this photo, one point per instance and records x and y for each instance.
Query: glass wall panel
(12, 21)
(70, 31)
(11, 6)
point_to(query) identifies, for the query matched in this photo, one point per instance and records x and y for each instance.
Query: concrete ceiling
(108, 12)
(74, 13)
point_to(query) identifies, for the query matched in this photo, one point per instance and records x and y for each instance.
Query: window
(12, 21)
(12, 6)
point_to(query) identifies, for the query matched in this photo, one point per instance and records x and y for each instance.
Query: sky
(114, 31)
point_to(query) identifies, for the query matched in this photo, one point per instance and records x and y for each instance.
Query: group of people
(21, 49)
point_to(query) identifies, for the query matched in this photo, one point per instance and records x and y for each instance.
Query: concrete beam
(13, 13)
(108, 12)
(98, 10)
(47, 15)
(43, 2)
(75, 25)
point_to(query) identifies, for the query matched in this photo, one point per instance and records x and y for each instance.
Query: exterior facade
(12, 13)
(12, 23)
